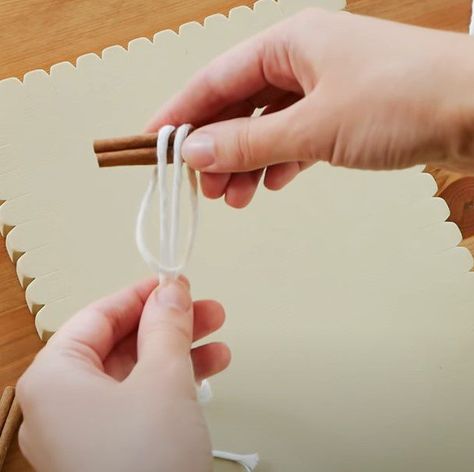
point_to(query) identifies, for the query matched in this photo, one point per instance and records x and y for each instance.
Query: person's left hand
(115, 388)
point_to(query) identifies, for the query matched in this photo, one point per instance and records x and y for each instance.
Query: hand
(115, 388)
(346, 89)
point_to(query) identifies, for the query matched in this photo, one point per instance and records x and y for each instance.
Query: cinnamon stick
(135, 150)
(10, 428)
(5, 404)
(129, 157)
(127, 142)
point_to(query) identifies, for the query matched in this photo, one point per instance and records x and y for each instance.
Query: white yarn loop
(162, 168)
(168, 266)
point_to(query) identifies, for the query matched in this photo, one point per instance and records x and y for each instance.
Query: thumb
(166, 329)
(244, 144)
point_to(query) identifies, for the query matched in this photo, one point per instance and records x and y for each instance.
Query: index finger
(240, 73)
(96, 329)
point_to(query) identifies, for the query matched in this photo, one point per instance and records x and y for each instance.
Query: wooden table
(38, 33)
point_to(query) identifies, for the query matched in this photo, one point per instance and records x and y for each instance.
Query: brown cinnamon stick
(129, 157)
(126, 142)
(135, 150)
(10, 428)
(5, 404)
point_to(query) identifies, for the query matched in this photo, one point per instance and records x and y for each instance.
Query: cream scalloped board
(350, 306)
(74, 222)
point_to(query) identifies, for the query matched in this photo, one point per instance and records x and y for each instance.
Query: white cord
(248, 461)
(168, 266)
(204, 392)
(162, 164)
(471, 26)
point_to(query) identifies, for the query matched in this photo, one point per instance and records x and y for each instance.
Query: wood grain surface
(35, 34)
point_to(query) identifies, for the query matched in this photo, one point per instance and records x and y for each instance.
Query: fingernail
(199, 150)
(173, 294)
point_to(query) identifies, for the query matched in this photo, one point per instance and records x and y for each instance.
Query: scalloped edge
(336, 5)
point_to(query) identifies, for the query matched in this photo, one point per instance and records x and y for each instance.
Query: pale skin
(114, 389)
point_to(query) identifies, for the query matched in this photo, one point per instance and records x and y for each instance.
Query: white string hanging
(247, 461)
(471, 26)
(168, 265)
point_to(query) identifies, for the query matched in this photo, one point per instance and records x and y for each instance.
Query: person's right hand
(350, 90)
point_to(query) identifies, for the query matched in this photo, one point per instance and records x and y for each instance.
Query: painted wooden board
(66, 212)
(348, 356)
